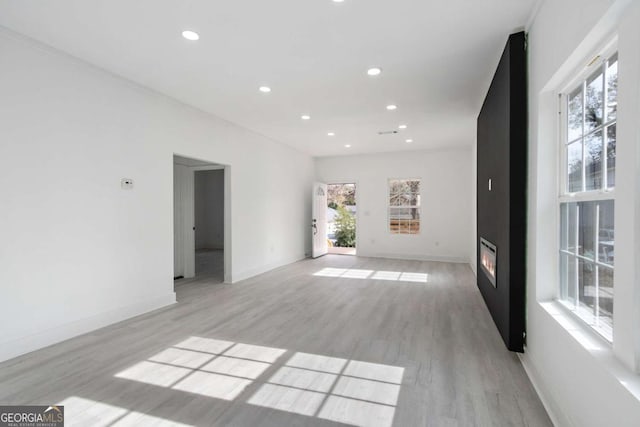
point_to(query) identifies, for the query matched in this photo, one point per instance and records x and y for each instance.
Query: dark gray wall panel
(502, 157)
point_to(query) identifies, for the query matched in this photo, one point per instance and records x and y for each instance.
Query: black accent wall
(502, 157)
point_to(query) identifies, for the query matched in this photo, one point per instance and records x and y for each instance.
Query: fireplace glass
(489, 260)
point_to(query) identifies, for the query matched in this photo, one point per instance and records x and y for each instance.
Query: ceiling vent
(387, 132)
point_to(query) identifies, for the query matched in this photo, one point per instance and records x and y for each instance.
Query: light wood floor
(210, 263)
(330, 342)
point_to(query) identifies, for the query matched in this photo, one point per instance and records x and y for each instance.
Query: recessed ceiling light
(305, 117)
(338, 1)
(409, 141)
(190, 35)
(375, 71)
(347, 146)
(402, 127)
(265, 89)
(391, 107)
(331, 134)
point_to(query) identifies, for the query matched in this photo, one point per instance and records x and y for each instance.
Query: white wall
(446, 201)
(209, 209)
(582, 380)
(78, 252)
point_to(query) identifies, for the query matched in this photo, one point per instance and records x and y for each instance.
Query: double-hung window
(404, 206)
(587, 202)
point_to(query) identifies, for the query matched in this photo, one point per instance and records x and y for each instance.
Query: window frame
(418, 206)
(564, 196)
(563, 97)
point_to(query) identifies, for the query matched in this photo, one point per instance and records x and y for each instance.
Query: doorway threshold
(342, 251)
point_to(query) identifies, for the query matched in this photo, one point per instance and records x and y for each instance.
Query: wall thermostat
(126, 183)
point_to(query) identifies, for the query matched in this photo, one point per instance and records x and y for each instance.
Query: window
(404, 206)
(587, 196)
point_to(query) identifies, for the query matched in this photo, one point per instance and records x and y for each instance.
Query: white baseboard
(473, 268)
(27, 344)
(247, 274)
(555, 413)
(414, 257)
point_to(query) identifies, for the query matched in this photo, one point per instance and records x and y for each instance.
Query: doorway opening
(209, 223)
(341, 218)
(200, 221)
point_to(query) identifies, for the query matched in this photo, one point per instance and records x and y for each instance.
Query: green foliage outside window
(345, 228)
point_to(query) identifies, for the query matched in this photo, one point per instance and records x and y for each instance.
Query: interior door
(184, 263)
(319, 220)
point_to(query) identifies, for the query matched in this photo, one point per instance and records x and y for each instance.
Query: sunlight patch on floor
(85, 412)
(375, 371)
(302, 378)
(387, 275)
(347, 391)
(213, 385)
(316, 362)
(205, 345)
(180, 357)
(357, 413)
(354, 273)
(288, 399)
(255, 352)
(236, 367)
(154, 373)
(373, 391)
(212, 368)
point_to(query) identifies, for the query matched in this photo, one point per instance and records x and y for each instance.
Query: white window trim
(604, 332)
(599, 348)
(620, 25)
(607, 52)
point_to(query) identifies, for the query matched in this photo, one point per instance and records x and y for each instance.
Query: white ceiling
(437, 57)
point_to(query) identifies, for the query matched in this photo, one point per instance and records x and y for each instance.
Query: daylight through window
(404, 206)
(587, 239)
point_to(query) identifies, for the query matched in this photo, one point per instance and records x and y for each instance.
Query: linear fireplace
(489, 260)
